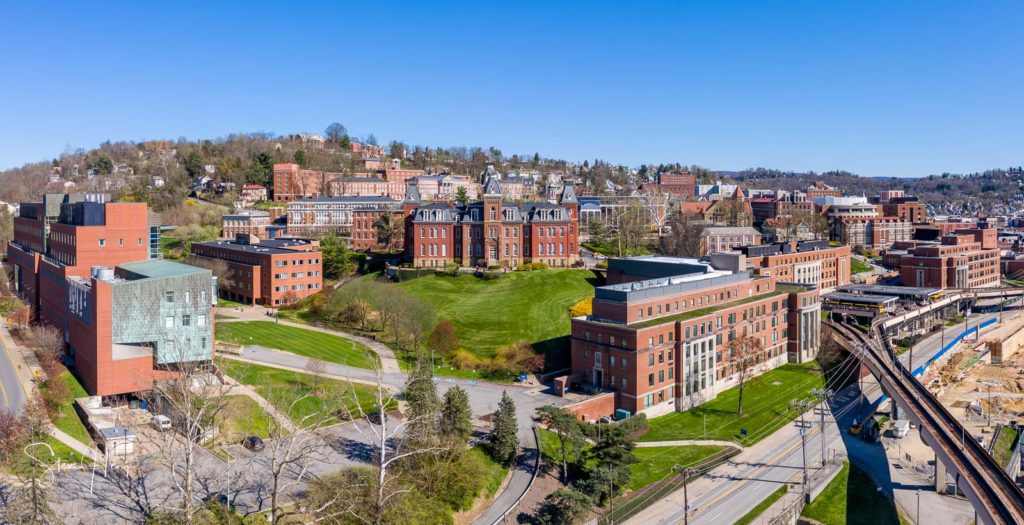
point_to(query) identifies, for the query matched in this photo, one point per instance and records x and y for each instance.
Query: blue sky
(880, 88)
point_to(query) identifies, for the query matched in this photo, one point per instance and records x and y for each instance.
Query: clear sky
(891, 88)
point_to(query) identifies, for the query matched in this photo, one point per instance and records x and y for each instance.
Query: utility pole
(685, 473)
(802, 405)
(823, 395)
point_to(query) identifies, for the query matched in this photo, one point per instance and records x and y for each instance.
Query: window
(200, 320)
(186, 320)
(611, 360)
(661, 357)
(169, 297)
(625, 383)
(625, 363)
(650, 359)
(650, 344)
(188, 297)
(169, 321)
(120, 242)
(661, 376)
(103, 242)
(650, 379)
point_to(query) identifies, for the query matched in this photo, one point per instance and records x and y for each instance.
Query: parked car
(900, 428)
(219, 499)
(161, 423)
(253, 443)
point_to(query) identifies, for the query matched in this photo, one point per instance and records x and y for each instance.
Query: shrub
(539, 266)
(523, 267)
(519, 357)
(56, 395)
(494, 267)
(490, 275)
(464, 360)
(584, 307)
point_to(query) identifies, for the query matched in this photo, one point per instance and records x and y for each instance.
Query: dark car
(253, 443)
(219, 499)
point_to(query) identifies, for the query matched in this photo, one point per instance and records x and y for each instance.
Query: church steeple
(492, 188)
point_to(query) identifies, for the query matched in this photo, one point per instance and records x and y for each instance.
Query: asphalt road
(12, 395)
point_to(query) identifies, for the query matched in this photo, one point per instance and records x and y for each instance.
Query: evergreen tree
(504, 441)
(346, 142)
(461, 195)
(565, 506)
(421, 394)
(611, 456)
(300, 158)
(456, 416)
(570, 435)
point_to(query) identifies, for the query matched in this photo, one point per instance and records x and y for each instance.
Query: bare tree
(392, 443)
(292, 445)
(194, 398)
(657, 204)
(218, 267)
(744, 354)
(687, 236)
(315, 368)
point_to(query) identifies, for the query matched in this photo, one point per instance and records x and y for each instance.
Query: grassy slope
(271, 382)
(242, 417)
(655, 463)
(68, 420)
(496, 472)
(1003, 448)
(520, 306)
(858, 266)
(766, 408)
(298, 341)
(851, 497)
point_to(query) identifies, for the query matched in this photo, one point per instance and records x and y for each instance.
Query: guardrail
(536, 469)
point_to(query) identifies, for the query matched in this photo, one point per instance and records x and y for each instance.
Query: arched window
(494, 213)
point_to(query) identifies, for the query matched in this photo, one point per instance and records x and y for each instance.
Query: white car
(161, 423)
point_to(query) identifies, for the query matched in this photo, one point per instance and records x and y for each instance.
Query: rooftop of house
(271, 246)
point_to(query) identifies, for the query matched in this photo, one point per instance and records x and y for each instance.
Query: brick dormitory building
(965, 258)
(659, 334)
(270, 272)
(86, 266)
(492, 231)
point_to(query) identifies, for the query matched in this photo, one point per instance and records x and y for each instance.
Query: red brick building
(267, 272)
(83, 266)
(806, 262)
(292, 182)
(679, 185)
(492, 232)
(967, 258)
(660, 337)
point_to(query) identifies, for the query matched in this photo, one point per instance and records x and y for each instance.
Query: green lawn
(858, 266)
(852, 497)
(271, 382)
(763, 506)
(655, 463)
(495, 472)
(299, 341)
(68, 420)
(241, 417)
(520, 306)
(766, 408)
(1003, 448)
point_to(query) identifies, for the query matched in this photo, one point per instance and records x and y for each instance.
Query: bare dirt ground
(971, 387)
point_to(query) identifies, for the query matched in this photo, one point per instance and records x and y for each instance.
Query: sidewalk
(281, 419)
(388, 361)
(689, 443)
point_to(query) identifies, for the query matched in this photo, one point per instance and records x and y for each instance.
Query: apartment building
(89, 270)
(861, 224)
(267, 272)
(966, 258)
(292, 182)
(661, 339)
(812, 262)
(319, 215)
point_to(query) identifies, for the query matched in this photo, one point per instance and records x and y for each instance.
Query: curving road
(12, 394)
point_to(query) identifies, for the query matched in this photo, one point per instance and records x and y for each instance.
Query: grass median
(852, 497)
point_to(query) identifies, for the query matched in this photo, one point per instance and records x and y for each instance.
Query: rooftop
(159, 268)
(271, 246)
(707, 310)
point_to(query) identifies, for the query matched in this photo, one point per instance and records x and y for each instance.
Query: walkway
(690, 443)
(388, 361)
(281, 419)
(76, 445)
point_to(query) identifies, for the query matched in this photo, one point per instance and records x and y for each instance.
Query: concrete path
(690, 443)
(281, 419)
(388, 361)
(76, 445)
